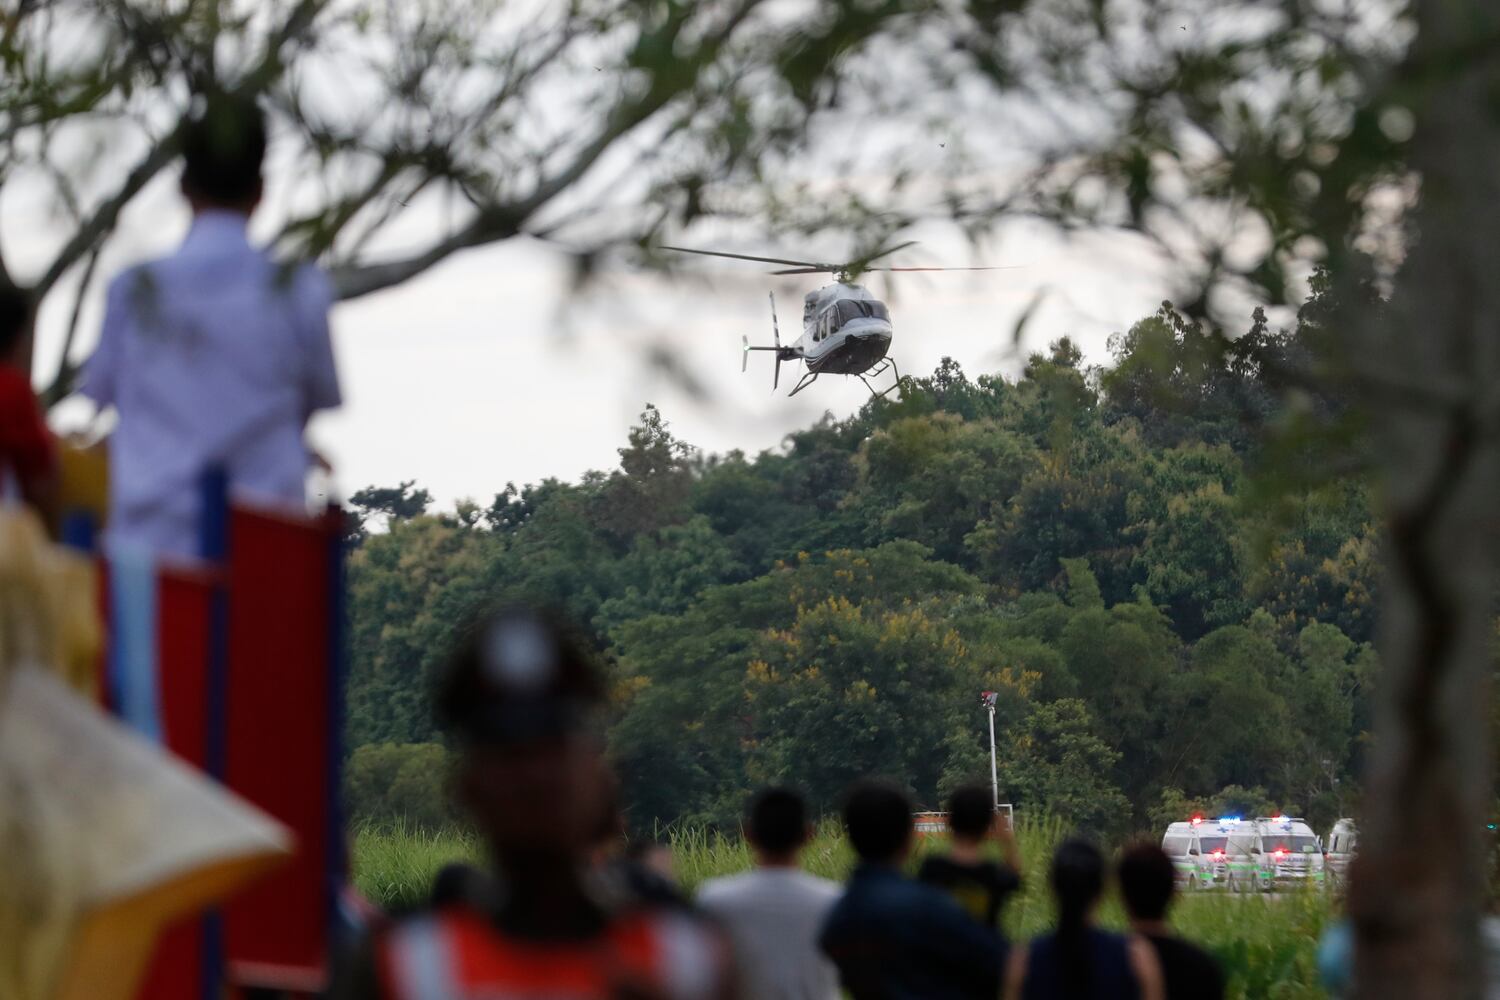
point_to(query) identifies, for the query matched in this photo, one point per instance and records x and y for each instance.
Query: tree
(848, 692)
(399, 503)
(931, 479)
(652, 488)
(1054, 763)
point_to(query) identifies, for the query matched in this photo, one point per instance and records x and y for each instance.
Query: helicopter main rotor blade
(810, 270)
(763, 260)
(1002, 267)
(859, 265)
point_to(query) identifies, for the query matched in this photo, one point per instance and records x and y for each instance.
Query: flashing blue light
(1229, 819)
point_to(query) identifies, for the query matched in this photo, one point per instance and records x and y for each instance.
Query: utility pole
(988, 699)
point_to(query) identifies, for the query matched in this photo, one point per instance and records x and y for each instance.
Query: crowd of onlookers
(886, 935)
(569, 911)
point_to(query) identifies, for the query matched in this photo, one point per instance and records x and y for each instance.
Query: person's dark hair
(223, 147)
(1147, 881)
(16, 307)
(877, 814)
(518, 673)
(1077, 882)
(971, 811)
(776, 820)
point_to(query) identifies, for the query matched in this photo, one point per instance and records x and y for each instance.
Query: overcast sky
(485, 370)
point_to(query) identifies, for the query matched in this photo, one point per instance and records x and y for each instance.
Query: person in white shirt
(214, 356)
(774, 914)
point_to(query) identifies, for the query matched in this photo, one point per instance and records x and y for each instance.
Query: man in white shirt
(775, 913)
(214, 356)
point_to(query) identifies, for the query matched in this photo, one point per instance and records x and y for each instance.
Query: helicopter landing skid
(807, 379)
(889, 364)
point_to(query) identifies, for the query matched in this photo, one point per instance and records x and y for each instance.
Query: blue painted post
(334, 859)
(213, 545)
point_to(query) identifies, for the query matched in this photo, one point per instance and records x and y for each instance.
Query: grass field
(1267, 943)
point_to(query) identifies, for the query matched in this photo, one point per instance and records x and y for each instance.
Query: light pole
(988, 699)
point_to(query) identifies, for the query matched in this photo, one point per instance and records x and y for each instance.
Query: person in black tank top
(1148, 882)
(1078, 961)
(977, 884)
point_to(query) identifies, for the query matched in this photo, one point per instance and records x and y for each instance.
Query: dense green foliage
(1094, 544)
(1267, 945)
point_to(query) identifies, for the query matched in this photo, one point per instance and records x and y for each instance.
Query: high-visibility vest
(456, 954)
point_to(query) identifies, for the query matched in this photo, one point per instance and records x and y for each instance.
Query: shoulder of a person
(818, 883)
(1197, 954)
(132, 279)
(721, 886)
(310, 281)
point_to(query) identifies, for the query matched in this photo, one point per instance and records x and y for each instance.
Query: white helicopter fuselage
(845, 331)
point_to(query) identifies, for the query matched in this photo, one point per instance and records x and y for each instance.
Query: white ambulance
(1211, 854)
(1287, 853)
(1339, 850)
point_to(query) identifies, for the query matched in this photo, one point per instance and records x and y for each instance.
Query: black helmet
(519, 675)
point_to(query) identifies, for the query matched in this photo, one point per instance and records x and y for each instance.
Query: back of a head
(1077, 879)
(223, 148)
(971, 812)
(1077, 882)
(1147, 881)
(15, 319)
(776, 821)
(520, 699)
(519, 674)
(877, 814)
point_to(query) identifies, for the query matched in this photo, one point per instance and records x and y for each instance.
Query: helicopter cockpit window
(852, 309)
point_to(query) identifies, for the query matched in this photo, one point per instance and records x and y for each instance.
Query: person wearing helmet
(520, 700)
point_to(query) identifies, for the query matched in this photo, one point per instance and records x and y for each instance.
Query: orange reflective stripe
(457, 955)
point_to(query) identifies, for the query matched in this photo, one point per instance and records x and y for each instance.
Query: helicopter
(845, 329)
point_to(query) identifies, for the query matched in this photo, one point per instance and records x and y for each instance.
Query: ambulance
(1339, 850)
(1286, 853)
(1211, 854)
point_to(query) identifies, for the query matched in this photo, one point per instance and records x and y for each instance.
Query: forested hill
(1093, 544)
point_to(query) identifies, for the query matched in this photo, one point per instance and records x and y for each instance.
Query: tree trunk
(1419, 887)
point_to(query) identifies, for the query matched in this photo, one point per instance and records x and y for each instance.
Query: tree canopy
(833, 607)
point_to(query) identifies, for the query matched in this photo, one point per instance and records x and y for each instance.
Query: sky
(468, 378)
(488, 369)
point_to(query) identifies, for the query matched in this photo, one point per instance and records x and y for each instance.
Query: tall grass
(1266, 943)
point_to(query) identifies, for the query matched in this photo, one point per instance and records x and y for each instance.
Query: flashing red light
(1280, 853)
(1196, 820)
(1218, 854)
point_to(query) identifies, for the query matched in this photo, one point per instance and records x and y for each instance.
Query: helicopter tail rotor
(776, 332)
(782, 353)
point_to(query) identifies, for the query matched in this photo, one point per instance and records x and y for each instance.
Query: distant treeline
(1173, 593)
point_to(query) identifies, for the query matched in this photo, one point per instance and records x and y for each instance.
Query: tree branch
(500, 222)
(62, 381)
(102, 222)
